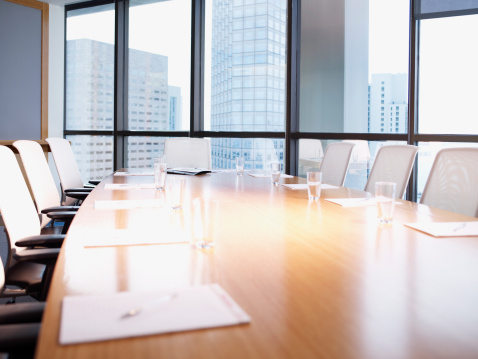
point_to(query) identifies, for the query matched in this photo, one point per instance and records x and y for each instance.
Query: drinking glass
(160, 172)
(205, 222)
(275, 173)
(240, 166)
(385, 197)
(314, 179)
(176, 192)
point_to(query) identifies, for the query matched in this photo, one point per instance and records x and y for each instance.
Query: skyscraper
(248, 79)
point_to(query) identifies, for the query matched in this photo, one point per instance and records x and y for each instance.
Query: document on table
(266, 175)
(302, 186)
(352, 202)
(146, 173)
(92, 318)
(446, 229)
(128, 204)
(129, 237)
(125, 186)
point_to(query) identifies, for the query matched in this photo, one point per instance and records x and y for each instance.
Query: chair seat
(19, 339)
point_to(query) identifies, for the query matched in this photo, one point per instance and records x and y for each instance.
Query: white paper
(126, 186)
(128, 237)
(446, 229)
(98, 317)
(303, 186)
(146, 173)
(353, 202)
(128, 204)
(266, 175)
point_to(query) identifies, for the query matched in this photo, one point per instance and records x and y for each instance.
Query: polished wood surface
(318, 280)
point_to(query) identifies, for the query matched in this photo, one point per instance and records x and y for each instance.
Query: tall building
(248, 86)
(152, 104)
(388, 103)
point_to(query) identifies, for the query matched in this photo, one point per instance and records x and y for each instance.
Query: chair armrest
(19, 339)
(77, 195)
(64, 215)
(48, 240)
(46, 256)
(78, 190)
(60, 209)
(21, 313)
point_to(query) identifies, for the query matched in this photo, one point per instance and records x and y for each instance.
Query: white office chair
(453, 181)
(336, 163)
(23, 224)
(41, 181)
(392, 163)
(188, 152)
(68, 171)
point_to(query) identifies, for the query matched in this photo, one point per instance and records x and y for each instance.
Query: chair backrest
(188, 152)
(65, 162)
(392, 163)
(16, 205)
(39, 176)
(453, 181)
(336, 162)
(309, 148)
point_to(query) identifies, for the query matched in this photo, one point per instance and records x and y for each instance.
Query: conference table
(317, 280)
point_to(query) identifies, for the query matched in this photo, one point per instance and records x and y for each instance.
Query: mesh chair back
(66, 166)
(336, 162)
(188, 152)
(16, 205)
(39, 176)
(392, 163)
(453, 181)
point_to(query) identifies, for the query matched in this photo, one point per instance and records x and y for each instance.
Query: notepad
(266, 175)
(352, 202)
(128, 204)
(303, 186)
(93, 318)
(446, 229)
(129, 237)
(126, 186)
(148, 173)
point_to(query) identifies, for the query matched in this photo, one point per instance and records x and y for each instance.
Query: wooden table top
(318, 280)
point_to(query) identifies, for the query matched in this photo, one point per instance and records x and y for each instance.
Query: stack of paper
(446, 229)
(116, 186)
(102, 317)
(302, 186)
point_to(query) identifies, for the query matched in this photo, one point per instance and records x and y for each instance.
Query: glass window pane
(89, 74)
(245, 58)
(258, 153)
(159, 69)
(94, 155)
(312, 151)
(448, 76)
(364, 66)
(140, 151)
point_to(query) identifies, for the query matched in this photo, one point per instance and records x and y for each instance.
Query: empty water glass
(385, 198)
(275, 173)
(240, 166)
(314, 180)
(160, 172)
